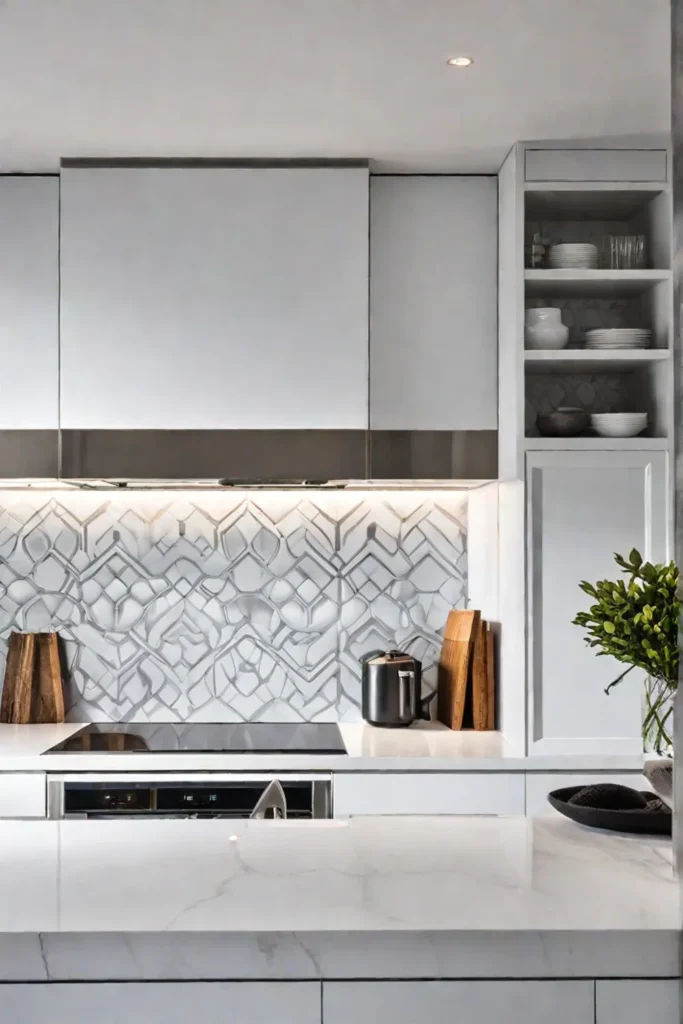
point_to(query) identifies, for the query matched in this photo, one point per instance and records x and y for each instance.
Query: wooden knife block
(466, 687)
(33, 689)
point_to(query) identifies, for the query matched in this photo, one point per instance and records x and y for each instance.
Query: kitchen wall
(223, 606)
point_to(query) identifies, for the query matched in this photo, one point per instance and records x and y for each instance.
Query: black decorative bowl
(567, 422)
(613, 808)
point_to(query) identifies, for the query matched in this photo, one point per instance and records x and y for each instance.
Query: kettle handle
(406, 681)
(424, 706)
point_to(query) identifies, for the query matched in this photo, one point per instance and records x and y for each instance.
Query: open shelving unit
(626, 380)
(563, 501)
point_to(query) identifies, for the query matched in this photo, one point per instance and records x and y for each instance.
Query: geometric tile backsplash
(224, 607)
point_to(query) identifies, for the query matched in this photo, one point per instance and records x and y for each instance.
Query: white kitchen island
(448, 919)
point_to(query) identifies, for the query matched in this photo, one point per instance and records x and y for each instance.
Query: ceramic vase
(543, 328)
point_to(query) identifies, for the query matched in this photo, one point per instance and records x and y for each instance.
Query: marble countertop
(425, 746)
(367, 897)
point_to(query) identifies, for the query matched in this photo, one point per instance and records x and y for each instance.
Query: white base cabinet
(632, 1002)
(216, 1002)
(459, 1002)
(344, 1002)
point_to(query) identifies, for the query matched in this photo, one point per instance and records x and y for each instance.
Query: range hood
(287, 458)
(250, 458)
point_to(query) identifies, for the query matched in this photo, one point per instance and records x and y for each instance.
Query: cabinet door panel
(632, 1002)
(163, 1003)
(433, 303)
(29, 252)
(459, 1002)
(214, 298)
(583, 507)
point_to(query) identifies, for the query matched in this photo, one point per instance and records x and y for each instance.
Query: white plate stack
(573, 256)
(618, 337)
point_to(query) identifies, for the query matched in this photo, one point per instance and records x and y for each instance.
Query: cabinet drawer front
(22, 796)
(459, 1002)
(538, 786)
(596, 165)
(163, 1003)
(424, 793)
(631, 1002)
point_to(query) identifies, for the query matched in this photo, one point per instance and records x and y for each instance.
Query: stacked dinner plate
(573, 256)
(618, 337)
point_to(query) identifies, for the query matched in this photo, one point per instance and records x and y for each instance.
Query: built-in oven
(199, 795)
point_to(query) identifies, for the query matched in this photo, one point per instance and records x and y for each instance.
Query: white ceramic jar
(543, 328)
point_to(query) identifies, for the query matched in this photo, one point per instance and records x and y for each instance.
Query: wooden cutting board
(454, 666)
(48, 691)
(17, 689)
(479, 676)
(491, 677)
(32, 691)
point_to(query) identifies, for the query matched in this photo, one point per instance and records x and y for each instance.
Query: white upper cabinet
(433, 303)
(29, 276)
(581, 508)
(214, 297)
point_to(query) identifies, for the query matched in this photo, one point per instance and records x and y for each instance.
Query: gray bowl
(562, 423)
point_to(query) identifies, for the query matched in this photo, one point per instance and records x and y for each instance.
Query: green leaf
(608, 627)
(635, 558)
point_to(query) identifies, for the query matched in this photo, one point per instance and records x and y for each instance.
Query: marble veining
(224, 607)
(207, 899)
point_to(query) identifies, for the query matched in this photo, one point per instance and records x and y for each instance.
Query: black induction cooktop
(205, 738)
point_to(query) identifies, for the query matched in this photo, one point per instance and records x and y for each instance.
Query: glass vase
(658, 719)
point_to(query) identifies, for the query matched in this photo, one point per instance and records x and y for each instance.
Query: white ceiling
(325, 78)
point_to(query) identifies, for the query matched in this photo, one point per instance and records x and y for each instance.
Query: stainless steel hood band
(244, 457)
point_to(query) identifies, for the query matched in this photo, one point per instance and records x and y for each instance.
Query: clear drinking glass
(626, 252)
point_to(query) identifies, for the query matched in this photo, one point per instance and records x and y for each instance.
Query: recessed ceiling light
(460, 62)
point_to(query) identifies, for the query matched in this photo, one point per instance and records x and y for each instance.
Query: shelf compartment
(583, 215)
(574, 359)
(602, 201)
(589, 283)
(598, 387)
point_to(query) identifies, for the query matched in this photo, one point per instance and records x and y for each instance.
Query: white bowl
(618, 424)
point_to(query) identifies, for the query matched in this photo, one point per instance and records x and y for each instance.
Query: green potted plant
(635, 621)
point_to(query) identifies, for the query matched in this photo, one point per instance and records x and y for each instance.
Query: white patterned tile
(221, 607)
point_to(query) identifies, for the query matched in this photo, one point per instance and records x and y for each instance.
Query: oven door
(187, 795)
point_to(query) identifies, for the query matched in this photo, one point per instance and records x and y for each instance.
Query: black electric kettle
(392, 689)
